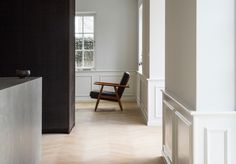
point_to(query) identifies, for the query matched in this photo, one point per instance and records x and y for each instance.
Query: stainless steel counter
(20, 120)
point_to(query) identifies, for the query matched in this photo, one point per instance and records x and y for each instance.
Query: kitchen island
(20, 120)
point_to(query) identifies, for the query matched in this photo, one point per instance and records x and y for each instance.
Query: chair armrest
(111, 84)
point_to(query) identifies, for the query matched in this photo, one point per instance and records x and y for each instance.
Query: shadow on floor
(158, 160)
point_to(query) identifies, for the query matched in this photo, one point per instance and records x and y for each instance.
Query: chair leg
(99, 96)
(121, 108)
(118, 98)
(97, 104)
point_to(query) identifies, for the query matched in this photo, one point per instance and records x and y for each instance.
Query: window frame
(83, 14)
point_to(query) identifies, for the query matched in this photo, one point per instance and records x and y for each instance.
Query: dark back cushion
(123, 81)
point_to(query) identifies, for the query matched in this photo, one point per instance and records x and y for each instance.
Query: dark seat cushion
(94, 94)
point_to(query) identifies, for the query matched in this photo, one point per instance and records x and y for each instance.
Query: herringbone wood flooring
(105, 137)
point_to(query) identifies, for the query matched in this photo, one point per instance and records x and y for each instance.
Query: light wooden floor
(105, 137)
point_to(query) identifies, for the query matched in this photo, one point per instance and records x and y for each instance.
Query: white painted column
(200, 82)
(157, 40)
(152, 81)
(156, 81)
(215, 118)
(215, 55)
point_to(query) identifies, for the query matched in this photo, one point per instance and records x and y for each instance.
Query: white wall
(157, 39)
(146, 36)
(116, 32)
(200, 53)
(216, 55)
(181, 49)
(153, 38)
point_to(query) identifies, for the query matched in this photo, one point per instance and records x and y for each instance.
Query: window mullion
(83, 41)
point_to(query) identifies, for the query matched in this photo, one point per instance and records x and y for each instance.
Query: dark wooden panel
(39, 35)
(72, 63)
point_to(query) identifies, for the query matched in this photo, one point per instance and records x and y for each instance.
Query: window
(84, 41)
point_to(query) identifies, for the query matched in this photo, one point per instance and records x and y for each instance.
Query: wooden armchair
(111, 96)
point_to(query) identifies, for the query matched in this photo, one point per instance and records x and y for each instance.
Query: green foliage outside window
(88, 43)
(88, 51)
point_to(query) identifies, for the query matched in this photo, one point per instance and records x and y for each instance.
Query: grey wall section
(116, 29)
(39, 35)
(20, 121)
(181, 49)
(146, 38)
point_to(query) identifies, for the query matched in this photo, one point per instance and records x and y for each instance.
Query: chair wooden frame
(113, 98)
